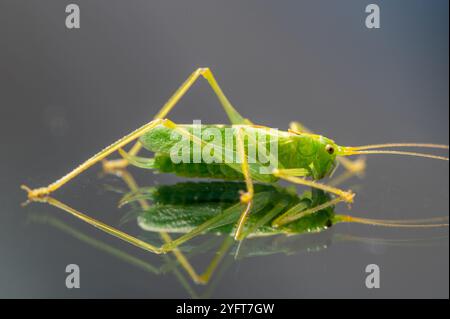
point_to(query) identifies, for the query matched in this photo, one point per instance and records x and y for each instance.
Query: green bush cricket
(303, 158)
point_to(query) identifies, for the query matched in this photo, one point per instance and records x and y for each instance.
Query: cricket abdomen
(163, 141)
(164, 164)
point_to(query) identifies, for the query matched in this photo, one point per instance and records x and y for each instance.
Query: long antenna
(415, 154)
(389, 145)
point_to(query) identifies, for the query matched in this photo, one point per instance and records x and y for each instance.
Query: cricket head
(319, 154)
(324, 161)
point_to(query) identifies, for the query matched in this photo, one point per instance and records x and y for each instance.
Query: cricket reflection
(188, 209)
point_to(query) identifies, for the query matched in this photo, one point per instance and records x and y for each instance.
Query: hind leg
(37, 193)
(233, 115)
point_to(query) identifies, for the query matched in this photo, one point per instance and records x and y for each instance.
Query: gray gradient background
(66, 94)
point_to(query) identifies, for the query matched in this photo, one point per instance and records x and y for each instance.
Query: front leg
(289, 175)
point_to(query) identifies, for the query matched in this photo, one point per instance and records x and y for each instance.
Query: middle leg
(247, 197)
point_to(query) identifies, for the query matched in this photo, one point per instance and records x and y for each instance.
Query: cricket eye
(329, 149)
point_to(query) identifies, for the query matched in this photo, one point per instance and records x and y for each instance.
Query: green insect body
(298, 151)
(182, 207)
